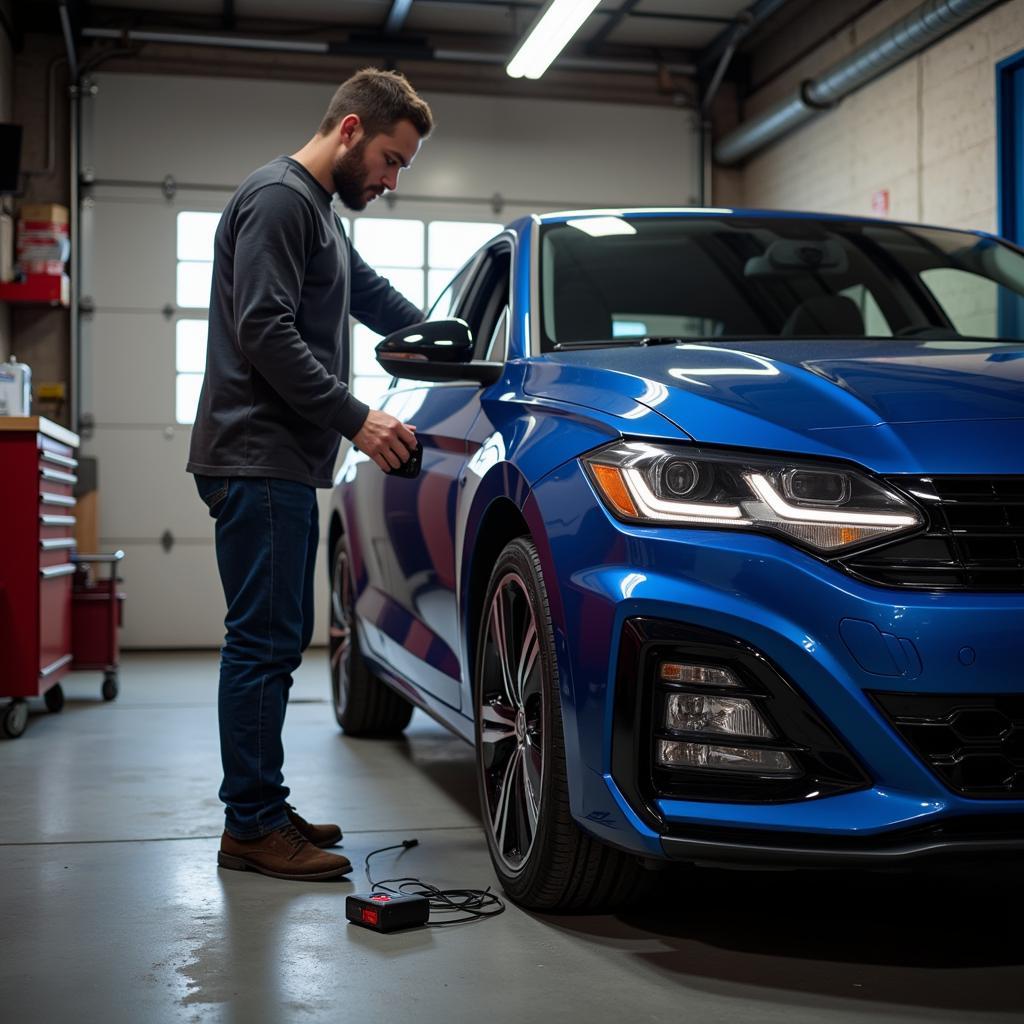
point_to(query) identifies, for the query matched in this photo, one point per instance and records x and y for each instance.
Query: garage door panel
(129, 371)
(174, 599)
(169, 137)
(144, 489)
(129, 254)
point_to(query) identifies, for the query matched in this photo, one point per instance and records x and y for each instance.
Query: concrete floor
(113, 908)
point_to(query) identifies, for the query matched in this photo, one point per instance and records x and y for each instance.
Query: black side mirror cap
(436, 350)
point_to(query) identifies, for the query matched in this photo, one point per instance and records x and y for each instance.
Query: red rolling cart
(97, 610)
(37, 478)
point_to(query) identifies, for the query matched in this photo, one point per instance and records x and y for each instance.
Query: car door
(412, 611)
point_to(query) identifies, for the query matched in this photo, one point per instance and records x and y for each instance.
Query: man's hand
(387, 441)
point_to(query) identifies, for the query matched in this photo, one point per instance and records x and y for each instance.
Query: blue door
(1010, 121)
(404, 529)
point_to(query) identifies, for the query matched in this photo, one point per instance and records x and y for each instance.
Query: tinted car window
(765, 277)
(447, 301)
(487, 296)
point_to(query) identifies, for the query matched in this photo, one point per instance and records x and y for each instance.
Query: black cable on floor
(471, 904)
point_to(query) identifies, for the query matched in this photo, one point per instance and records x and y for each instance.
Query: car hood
(895, 406)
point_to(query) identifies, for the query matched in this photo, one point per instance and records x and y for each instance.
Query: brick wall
(925, 131)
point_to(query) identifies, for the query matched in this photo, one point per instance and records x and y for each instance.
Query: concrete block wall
(925, 131)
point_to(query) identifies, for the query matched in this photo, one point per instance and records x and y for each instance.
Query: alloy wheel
(340, 636)
(512, 715)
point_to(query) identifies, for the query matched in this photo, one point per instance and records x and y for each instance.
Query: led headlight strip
(740, 493)
(764, 490)
(681, 511)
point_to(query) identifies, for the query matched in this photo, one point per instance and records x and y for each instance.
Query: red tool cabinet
(37, 568)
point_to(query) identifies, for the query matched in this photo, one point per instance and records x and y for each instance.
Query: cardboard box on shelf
(41, 236)
(43, 213)
(42, 248)
(51, 268)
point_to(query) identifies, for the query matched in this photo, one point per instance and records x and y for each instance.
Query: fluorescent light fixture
(601, 227)
(557, 24)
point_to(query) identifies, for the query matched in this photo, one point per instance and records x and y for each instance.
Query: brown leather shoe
(282, 854)
(319, 835)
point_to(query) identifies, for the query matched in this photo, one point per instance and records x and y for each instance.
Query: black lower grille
(974, 538)
(974, 743)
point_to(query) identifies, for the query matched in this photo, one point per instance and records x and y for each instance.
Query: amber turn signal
(609, 479)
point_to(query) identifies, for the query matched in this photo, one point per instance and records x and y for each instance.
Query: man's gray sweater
(285, 280)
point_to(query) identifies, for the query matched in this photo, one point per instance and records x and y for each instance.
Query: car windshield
(620, 280)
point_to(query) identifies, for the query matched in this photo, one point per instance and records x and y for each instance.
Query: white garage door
(141, 262)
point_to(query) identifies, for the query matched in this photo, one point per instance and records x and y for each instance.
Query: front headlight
(827, 507)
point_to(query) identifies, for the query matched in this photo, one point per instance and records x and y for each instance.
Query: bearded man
(272, 412)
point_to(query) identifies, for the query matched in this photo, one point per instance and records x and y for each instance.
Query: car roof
(561, 216)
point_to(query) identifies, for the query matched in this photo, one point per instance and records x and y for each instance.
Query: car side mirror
(436, 350)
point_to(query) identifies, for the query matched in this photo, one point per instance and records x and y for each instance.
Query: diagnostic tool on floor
(385, 913)
(396, 903)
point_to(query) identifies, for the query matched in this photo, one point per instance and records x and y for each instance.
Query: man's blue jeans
(266, 536)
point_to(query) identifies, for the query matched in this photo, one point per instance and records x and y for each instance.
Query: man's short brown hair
(381, 99)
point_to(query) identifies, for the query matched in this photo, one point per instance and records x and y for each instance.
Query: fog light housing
(730, 716)
(698, 675)
(752, 760)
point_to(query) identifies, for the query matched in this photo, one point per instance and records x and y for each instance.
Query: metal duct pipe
(918, 30)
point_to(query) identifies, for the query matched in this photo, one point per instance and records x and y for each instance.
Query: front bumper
(949, 840)
(796, 612)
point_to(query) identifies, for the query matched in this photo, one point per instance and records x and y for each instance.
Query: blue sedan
(717, 548)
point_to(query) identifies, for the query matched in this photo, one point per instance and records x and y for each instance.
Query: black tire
(15, 718)
(54, 698)
(363, 704)
(542, 858)
(111, 687)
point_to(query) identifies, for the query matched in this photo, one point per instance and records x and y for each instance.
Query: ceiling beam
(597, 40)
(536, 5)
(397, 15)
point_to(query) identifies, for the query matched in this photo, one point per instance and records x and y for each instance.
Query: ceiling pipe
(69, 41)
(752, 18)
(918, 30)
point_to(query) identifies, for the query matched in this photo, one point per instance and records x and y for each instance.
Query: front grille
(974, 743)
(974, 538)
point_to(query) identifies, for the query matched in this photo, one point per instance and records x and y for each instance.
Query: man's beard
(349, 176)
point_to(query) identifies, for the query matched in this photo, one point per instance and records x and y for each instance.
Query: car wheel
(542, 858)
(363, 704)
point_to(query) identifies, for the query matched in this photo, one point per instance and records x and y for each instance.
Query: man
(273, 408)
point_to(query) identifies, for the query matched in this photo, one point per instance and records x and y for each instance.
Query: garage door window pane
(437, 281)
(390, 243)
(195, 235)
(408, 282)
(194, 284)
(452, 242)
(364, 360)
(371, 390)
(190, 346)
(186, 398)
